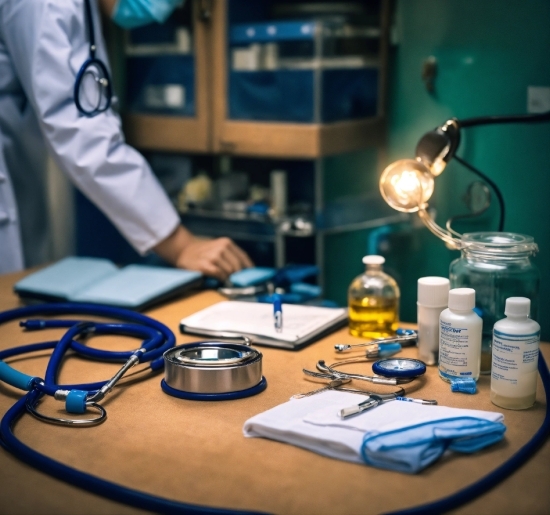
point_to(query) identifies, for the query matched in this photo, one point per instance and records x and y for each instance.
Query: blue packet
(464, 385)
(252, 276)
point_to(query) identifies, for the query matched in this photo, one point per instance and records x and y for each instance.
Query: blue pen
(278, 312)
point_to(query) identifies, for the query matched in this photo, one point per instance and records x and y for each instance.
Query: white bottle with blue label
(516, 341)
(460, 336)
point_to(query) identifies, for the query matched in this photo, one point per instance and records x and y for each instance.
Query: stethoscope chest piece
(399, 367)
(213, 371)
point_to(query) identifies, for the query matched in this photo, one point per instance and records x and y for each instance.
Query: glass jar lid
(499, 244)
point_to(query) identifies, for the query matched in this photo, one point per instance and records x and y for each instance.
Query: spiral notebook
(302, 324)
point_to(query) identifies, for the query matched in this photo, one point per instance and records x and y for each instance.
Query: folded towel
(396, 435)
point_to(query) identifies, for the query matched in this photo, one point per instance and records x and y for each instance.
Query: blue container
(288, 95)
(161, 84)
(287, 91)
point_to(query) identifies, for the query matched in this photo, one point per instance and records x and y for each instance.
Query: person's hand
(217, 258)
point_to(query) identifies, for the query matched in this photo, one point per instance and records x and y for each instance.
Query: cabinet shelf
(255, 139)
(165, 133)
(294, 140)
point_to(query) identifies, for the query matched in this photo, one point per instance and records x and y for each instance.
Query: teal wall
(488, 53)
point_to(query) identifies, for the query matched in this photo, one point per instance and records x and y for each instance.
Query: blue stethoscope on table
(92, 89)
(158, 339)
(207, 361)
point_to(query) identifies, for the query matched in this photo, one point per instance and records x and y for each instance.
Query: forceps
(374, 400)
(335, 384)
(403, 336)
(336, 374)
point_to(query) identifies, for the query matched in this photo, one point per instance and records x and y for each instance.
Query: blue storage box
(288, 95)
(161, 84)
(277, 73)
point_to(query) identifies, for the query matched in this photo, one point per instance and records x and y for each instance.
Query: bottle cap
(462, 299)
(517, 307)
(374, 260)
(433, 292)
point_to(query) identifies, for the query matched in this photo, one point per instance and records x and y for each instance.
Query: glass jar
(373, 301)
(496, 265)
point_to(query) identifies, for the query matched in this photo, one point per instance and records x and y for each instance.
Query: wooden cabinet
(212, 130)
(181, 133)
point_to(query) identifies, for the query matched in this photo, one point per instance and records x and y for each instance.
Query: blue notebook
(99, 281)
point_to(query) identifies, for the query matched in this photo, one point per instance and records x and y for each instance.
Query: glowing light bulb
(406, 185)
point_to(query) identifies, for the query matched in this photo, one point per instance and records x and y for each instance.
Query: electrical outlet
(538, 99)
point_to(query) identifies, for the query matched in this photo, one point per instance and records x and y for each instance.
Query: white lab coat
(43, 44)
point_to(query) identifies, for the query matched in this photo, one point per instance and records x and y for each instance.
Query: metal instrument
(374, 400)
(213, 370)
(403, 336)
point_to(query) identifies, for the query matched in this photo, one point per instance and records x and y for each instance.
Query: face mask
(130, 14)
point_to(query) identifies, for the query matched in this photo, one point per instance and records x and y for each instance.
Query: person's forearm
(170, 248)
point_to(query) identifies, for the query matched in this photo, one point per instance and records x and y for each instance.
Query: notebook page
(257, 319)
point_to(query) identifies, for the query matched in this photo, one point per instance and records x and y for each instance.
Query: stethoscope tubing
(70, 475)
(140, 326)
(88, 482)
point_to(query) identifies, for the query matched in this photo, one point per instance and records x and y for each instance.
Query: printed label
(455, 351)
(514, 366)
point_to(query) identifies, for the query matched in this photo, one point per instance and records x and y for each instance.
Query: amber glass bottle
(373, 301)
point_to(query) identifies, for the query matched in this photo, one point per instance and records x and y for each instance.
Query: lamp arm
(446, 236)
(517, 118)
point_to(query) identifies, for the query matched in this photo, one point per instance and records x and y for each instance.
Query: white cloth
(313, 422)
(43, 44)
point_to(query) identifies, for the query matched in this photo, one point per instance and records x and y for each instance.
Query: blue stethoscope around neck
(93, 86)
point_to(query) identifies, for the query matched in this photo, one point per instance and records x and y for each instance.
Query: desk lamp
(408, 184)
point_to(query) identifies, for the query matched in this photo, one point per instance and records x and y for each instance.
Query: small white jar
(433, 294)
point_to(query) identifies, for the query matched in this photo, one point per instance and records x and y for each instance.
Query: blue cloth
(412, 449)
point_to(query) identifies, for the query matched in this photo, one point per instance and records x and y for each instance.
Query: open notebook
(301, 324)
(99, 281)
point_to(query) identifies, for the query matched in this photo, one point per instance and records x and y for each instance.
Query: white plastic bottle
(433, 294)
(460, 336)
(516, 341)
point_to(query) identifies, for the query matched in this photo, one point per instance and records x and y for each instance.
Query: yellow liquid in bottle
(373, 317)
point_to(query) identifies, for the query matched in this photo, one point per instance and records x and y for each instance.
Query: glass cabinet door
(166, 104)
(299, 79)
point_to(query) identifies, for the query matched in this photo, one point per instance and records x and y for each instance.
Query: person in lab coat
(43, 44)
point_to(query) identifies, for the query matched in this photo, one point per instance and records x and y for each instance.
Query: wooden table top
(195, 452)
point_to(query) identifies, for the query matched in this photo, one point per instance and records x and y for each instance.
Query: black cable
(492, 184)
(516, 118)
